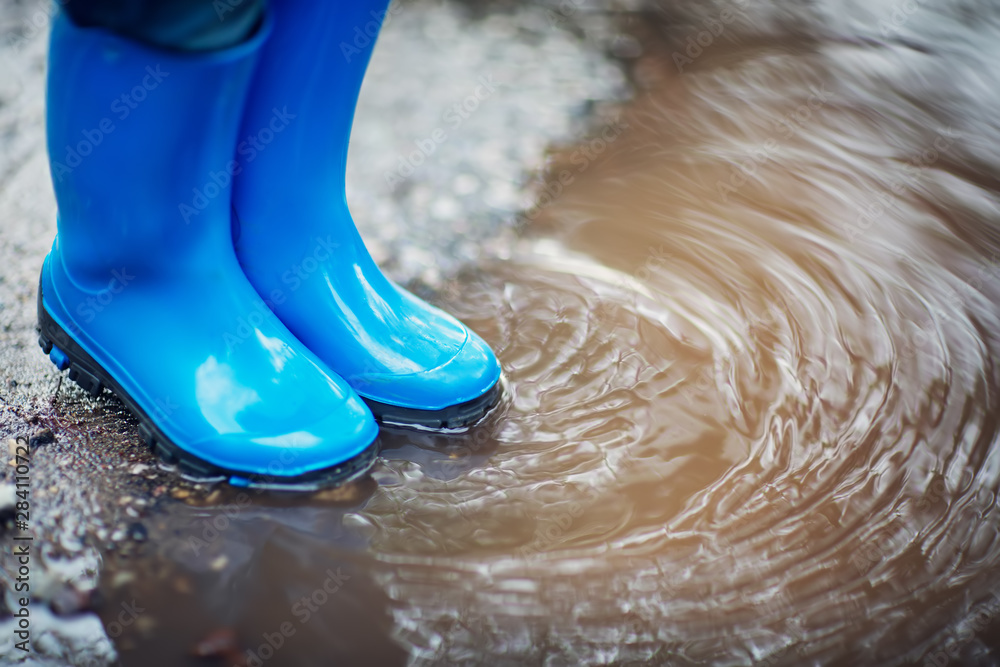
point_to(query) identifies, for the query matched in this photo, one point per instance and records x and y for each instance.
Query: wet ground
(747, 307)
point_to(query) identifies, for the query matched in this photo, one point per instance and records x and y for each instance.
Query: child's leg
(183, 25)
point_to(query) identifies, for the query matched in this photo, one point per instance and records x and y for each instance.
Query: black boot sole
(92, 378)
(455, 416)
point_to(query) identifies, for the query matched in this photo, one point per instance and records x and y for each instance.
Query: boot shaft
(141, 148)
(308, 82)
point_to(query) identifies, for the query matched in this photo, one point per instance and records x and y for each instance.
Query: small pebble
(222, 644)
(183, 585)
(68, 600)
(122, 578)
(137, 532)
(145, 624)
(42, 436)
(8, 500)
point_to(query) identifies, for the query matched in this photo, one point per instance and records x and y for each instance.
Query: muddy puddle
(750, 331)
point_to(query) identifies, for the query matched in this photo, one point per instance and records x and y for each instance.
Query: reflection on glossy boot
(412, 363)
(139, 298)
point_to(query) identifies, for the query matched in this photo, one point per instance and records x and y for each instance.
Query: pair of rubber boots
(206, 267)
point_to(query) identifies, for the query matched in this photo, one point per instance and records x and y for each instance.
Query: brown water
(751, 358)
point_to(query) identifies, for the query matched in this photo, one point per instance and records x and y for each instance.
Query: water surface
(750, 335)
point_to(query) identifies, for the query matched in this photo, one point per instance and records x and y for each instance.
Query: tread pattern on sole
(88, 374)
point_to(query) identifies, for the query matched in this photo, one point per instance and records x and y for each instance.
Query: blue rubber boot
(142, 292)
(412, 363)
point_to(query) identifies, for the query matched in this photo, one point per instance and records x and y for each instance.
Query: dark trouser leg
(183, 25)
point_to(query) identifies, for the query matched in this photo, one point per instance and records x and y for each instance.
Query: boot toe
(467, 379)
(334, 441)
